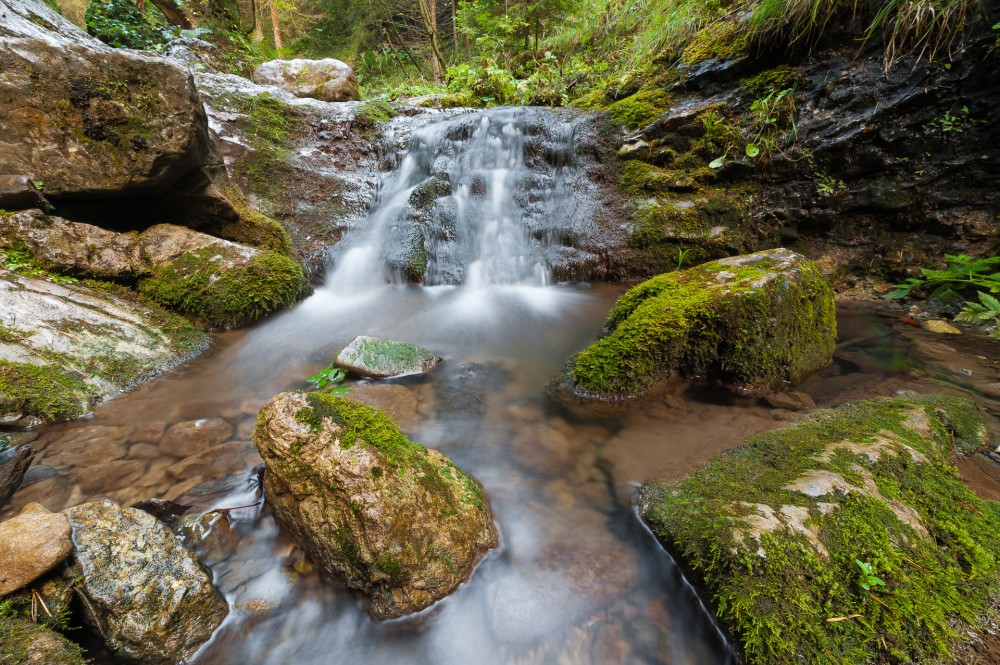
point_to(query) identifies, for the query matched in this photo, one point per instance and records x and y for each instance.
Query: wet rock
(751, 323)
(791, 400)
(328, 80)
(193, 436)
(31, 544)
(543, 449)
(17, 192)
(112, 476)
(395, 520)
(92, 122)
(25, 643)
(378, 358)
(940, 327)
(150, 598)
(396, 401)
(216, 461)
(197, 54)
(864, 482)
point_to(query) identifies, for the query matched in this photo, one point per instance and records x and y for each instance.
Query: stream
(577, 578)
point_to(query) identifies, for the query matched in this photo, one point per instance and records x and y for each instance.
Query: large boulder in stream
(148, 595)
(327, 80)
(752, 323)
(850, 537)
(396, 521)
(378, 358)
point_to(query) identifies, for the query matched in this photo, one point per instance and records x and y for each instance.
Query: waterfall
(470, 203)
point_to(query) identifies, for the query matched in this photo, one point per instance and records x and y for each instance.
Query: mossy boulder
(149, 596)
(328, 80)
(640, 109)
(751, 323)
(394, 520)
(846, 539)
(25, 643)
(378, 358)
(222, 283)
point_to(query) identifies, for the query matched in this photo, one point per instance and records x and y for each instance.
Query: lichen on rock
(775, 530)
(379, 358)
(749, 322)
(396, 521)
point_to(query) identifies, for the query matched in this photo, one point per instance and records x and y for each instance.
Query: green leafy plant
(868, 578)
(828, 185)
(987, 309)
(963, 274)
(951, 123)
(681, 255)
(329, 380)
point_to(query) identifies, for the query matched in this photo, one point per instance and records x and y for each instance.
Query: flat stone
(940, 327)
(193, 436)
(792, 401)
(216, 461)
(378, 358)
(31, 544)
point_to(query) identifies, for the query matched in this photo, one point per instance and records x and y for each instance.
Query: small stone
(940, 327)
(378, 358)
(31, 544)
(112, 476)
(216, 461)
(790, 401)
(193, 436)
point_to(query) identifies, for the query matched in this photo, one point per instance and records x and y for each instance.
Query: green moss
(679, 324)
(721, 39)
(368, 114)
(389, 356)
(22, 641)
(390, 567)
(254, 228)
(199, 284)
(46, 391)
(777, 590)
(416, 266)
(777, 78)
(641, 108)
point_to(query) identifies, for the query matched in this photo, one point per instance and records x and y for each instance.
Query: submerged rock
(857, 517)
(396, 521)
(148, 595)
(378, 358)
(31, 544)
(750, 322)
(327, 80)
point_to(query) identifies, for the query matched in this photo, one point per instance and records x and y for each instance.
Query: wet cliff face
(872, 171)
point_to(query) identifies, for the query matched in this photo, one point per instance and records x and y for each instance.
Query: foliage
(828, 185)
(120, 23)
(987, 309)
(17, 258)
(963, 274)
(329, 380)
(868, 577)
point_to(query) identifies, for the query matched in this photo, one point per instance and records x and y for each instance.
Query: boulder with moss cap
(776, 531)
(378, 358)
(393, 519)
(752, 323)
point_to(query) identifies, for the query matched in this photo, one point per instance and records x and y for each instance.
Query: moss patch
(22, 641)
(777, 586)
(46, 391)
(721, 39)
(641, 108)
(224, 290)
(368, 114)
(253, 227)
(751, 325)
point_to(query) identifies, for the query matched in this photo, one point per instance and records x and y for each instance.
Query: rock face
(791, 513)
(31, 544)
(394, 520)
(327, 80)
(750, 322)
(64, 346)
(378, 358)
(150, 598)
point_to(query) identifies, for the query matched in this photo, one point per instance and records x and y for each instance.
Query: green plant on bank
(763, 129)
(962, 275)
(951, 123)
(681, 255)
(828, 185)
(329, 380)
(122, 24)
(868, 577)
(986, 310)
(18, 259)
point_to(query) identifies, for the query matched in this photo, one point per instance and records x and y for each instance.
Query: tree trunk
(428, 12)
(276, 25)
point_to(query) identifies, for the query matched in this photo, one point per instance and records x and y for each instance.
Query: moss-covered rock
(749, 322)
(222, 283)
(641, 108)
(848, 539)
(31, 393)
(25, 643)
(379, 358)
(395, 520)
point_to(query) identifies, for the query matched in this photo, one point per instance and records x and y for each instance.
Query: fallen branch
(227, 510)
(836, 619)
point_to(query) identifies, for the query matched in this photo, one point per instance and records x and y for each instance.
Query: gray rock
(328, 80)
(197, 54)
(378, 358)
(17, 192)
(31, 544)
(398, 522)
(149, 596)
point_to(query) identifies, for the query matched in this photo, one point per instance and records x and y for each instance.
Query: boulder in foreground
(396, 521)
(752, 323)
(847, 539)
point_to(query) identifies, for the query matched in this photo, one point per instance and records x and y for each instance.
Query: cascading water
(464, 207)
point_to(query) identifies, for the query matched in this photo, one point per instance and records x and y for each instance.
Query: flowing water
(576, 579)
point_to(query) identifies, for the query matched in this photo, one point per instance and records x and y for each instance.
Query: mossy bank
(847, 539)
(751, 323)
